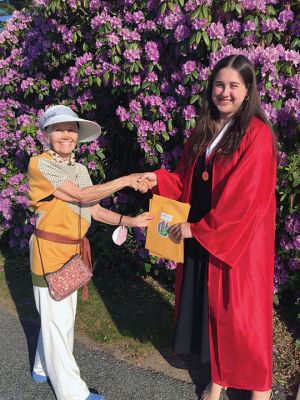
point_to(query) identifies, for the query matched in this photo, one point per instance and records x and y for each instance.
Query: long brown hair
(206, 125)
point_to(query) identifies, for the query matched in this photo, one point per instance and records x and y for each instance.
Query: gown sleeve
(170, 184)
(247, 197)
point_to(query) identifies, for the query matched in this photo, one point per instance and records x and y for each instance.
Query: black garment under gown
(191, 332)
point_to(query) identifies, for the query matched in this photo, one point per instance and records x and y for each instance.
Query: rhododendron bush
(139, 68)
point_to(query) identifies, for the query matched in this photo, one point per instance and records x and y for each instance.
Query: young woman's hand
(141, 220)
(180, 231)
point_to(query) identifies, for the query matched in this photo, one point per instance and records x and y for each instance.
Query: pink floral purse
(74, 274)
(69, 278)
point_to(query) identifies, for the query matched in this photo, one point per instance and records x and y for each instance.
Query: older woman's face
(63, 138)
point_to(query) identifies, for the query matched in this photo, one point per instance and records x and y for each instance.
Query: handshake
(142, 181)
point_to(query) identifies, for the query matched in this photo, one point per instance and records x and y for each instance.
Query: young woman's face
(229, 92)
(63, 138)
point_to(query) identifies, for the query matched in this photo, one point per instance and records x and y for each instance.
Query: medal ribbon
(210, 156)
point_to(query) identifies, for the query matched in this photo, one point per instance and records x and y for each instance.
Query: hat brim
(88, 130)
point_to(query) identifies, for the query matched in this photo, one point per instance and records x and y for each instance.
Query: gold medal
(205, 175)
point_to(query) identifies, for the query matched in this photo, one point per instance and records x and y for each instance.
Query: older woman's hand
(142, 220)
(133, 181)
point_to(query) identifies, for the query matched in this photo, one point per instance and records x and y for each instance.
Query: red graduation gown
(239, 234)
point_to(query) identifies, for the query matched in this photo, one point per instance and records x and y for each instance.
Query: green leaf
(159, 148)
(98, 80)
(238, 9)
(90, 80)
(165, 135)
(150, 67)
(170, 124)
(145, 85)
(194, 98)
(198, 37)
(171, 6)
(214, 45)
(196, 13)
(155, 159)
(118, 49)
(106, 75)
(195, 74)
(269, 37)
(129, 125)
(75, 37)
(181, 2)
(206, 39)
(275, 299)
(192, 39)
(147, 267)
(163, 8)
(205, 12)
(193, 123)
(277, 104)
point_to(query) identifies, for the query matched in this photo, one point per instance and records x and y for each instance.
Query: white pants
(54, 354)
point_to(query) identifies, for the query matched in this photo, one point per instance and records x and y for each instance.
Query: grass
(129, 315)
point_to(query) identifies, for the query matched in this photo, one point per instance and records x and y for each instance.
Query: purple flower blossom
(27, 83)
(6, 208)
(216, 31)
(92, 165)
(171, 265)
(122, 114)
(152, 100)
(233, 27)
(152, 52)
(135, 106)
(143, 253)
(254, 4)
(189, 112)
(16, 179)
(136, 80)
(189, 67)
(249, 26)
(22, 200)
(294, 264)
(286, 15)
(56, 84)
(113, 39)
(181, 33)
(159, 126)
(8, 192)
(270, 24)
(132, 54)
(151, 77)
(199, 24)
(130, 36)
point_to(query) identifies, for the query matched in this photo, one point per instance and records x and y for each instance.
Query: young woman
(64, 199)
(224, 290)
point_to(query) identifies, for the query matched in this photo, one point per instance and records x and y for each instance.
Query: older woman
(64, 200)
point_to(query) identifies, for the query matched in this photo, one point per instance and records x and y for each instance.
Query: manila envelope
(166, 212)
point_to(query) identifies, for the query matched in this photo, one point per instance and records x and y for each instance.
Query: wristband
(120, 221)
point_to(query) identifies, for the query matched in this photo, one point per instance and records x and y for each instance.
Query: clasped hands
(147, 180)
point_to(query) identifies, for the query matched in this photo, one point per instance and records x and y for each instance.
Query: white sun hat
(88, 130)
